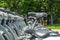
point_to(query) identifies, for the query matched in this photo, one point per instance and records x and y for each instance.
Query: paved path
(57, 31)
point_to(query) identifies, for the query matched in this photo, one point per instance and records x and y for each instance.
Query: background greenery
(51, 7)
(55, 26)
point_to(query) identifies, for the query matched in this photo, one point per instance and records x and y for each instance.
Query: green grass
(55, 26)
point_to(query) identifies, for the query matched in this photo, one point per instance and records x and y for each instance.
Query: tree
(52, 7)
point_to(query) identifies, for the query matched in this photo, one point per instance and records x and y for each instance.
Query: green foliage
(25, 6)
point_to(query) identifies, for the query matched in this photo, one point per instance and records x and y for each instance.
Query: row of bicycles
(13, 27)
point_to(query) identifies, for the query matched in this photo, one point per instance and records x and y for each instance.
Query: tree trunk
(51, 11)
(51, 19)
